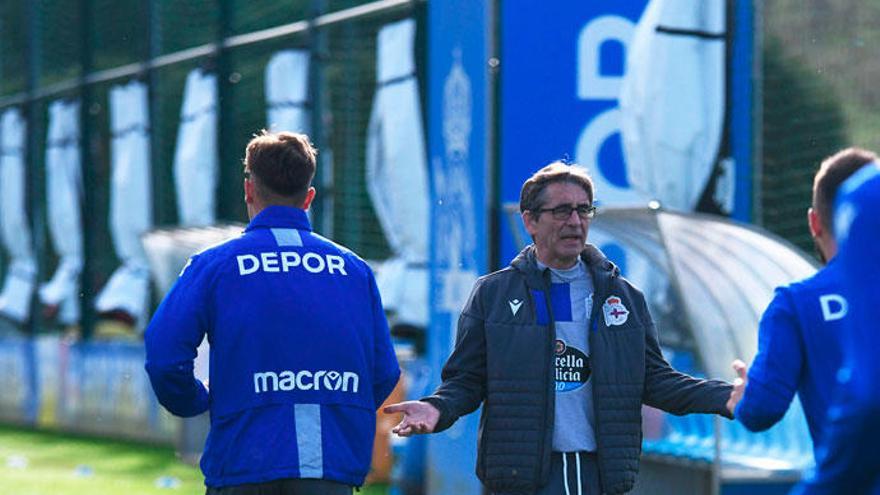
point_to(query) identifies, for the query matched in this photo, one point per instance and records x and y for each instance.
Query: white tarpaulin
(397, 175)
(196, 165)
(64, 194)
(195, 159)
(672, 99)
(130, 202)
(18, 286)
(287, 91)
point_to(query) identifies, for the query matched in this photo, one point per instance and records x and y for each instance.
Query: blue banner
(457, 111)
(85, 387)
(544, 109)
(564, 64)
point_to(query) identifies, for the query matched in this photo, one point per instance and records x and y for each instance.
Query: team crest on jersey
(615, 312)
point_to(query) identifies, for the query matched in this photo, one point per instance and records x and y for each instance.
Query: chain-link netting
(246, 103)
(167, 97)
(59, 41)
(37, 126)
(100, 256)
(335, 5)
(350, 93)
(819, 95)
(253, 15)
(182, 24)
(13, 47)
(118, 32)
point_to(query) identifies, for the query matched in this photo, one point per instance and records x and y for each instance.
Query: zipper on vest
(549, 401)
(594, 325)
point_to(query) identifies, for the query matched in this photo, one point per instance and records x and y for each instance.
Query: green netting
(837, 43)
(97, 239)
(244, 116)
(167, 98)
(59, 39)
(819, 95)
(803, 123)
(52, 34)
(13, 47)
(182, 24)
(119, 32)
(336, 5)
(37, 128)
(254, 15)
(350, 83)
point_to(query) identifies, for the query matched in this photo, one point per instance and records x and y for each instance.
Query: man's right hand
(418, 417)
(739, 384)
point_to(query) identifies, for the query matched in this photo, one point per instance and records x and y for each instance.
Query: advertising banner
(637, 91)
(86, 387)
(457, 117)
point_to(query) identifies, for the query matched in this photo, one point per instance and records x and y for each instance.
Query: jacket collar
(599, 265)
(280, 217)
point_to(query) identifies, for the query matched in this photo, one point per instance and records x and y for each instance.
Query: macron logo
(514, 306)
(269, 381)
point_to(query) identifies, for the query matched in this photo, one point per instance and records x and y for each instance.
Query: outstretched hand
(418, 417)
(739, 384)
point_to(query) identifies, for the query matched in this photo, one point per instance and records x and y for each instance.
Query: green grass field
(41, 463)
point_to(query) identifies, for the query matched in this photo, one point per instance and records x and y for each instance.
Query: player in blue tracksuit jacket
(300, 351)
(847, 461)
(799, 338)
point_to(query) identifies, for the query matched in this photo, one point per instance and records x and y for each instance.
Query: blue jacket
(847, 460)
(301, 355)
(799, 351)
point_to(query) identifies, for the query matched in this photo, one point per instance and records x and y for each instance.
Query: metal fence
(51, 49)
(820, 94)
(818, 88)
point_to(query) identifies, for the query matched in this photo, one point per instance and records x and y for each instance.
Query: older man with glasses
(562, 353)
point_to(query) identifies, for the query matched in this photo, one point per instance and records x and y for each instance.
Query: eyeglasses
(563, 212)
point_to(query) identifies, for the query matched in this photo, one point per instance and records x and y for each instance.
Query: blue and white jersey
(301, 355)
(571, 295)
